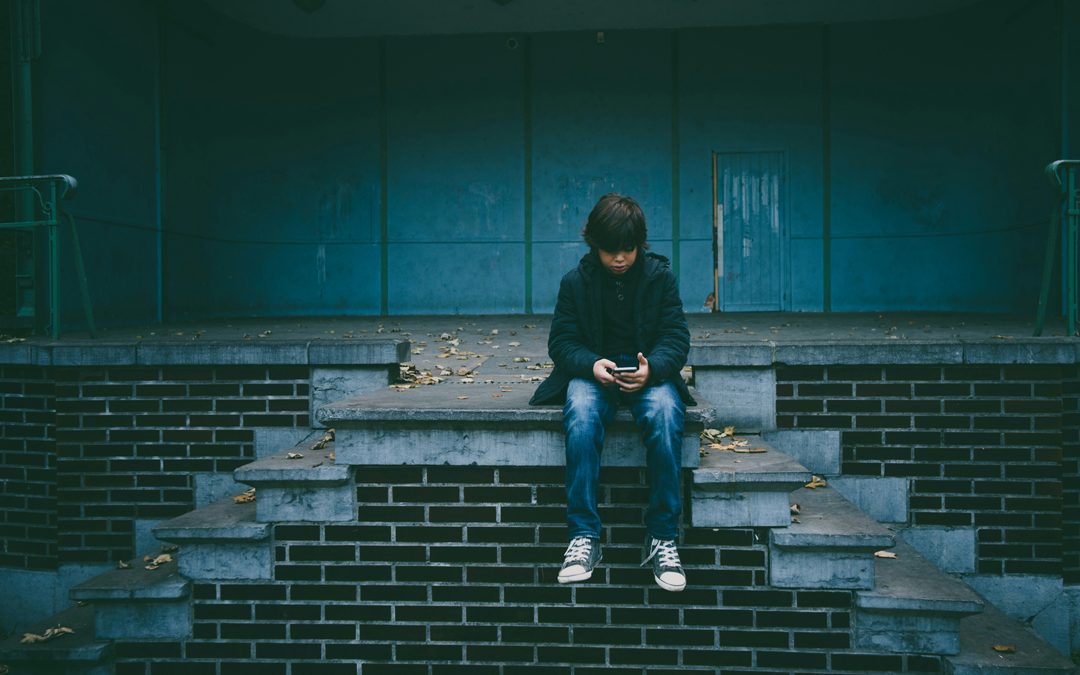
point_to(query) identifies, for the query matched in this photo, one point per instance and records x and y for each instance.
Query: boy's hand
(635, 381)
(600, 371)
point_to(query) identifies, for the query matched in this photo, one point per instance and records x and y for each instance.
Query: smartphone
(623, 369)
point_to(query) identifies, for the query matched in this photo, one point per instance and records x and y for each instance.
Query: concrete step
(78, 653)
(979, 634)
(740, 489)
(914, 608)
(303, 484)
(137, 603)
(831, 546)
(220, 541)
(488, 424)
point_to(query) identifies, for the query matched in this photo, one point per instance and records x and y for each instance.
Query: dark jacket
(574, 343)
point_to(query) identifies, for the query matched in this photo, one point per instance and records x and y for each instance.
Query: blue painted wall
(452, 174)
(94, 119)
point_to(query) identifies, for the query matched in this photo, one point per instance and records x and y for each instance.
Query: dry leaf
(514, 344)
(328, 437)
(151, 567)
(521, 359)
(1005, 649)
(728, 431)
(294, 455)
(29, 638)
(462, 398)
(795, 519)
(162, 559)
(246, 497)
(884, 554)
(121, 565)
(816, 482)
(746, 450)
(795, 509)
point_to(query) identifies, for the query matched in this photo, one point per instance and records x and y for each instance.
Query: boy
(619, 336)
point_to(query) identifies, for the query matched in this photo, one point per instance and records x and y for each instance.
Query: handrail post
(1067, 200)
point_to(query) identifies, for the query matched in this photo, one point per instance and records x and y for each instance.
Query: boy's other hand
(600, 371)
(636, 380)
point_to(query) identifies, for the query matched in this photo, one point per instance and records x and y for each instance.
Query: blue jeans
(658, 412)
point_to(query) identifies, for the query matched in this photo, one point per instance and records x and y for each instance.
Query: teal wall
(452, 174)
(94, 119)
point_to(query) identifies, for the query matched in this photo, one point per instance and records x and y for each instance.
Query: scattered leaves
(884, 554)
(30, 638)
(816, 482)
(245, 497)
(1005, 649)
(410, 374)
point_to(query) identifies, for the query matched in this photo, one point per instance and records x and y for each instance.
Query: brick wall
(1070, 476)
(27, 469)
(982, 446)
(452, 570)
(88, 451)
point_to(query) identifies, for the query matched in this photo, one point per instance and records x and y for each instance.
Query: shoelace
(666, 551)
(579, 549)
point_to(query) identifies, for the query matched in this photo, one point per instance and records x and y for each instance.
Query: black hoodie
(576, 339)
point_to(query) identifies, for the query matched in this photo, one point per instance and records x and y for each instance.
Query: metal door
(749, 231)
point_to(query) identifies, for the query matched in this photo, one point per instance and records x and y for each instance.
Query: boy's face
(617, 262)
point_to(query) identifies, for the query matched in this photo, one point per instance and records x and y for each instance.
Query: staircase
(427, 535)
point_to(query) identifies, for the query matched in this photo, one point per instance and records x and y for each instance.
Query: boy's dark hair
(615, 224)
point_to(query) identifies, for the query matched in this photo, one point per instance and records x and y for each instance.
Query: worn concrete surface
(735, 339)
(1039, 602)
(980, 632)
(816, 449)
(223, 520)
(951, 549)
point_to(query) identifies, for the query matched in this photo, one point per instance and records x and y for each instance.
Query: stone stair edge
(301, 464)
(909, 582)
(979, 633)
(80, 647)
(827, 520)
(771, 469)
(220, 521)
(477, 403)
(135, 584)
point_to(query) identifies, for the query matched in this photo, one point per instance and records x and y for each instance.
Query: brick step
(914, 607)
(831, 546)
(736, 489)
(78, 653)
(220, 541)
(979, 634)
(307, 488)
(482, 424)
(137, 603)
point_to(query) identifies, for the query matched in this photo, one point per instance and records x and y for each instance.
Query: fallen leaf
(162, 559)
(521, 359)
(728, 431)
(294, 455)
(121, 565)
(795, 509)
(884, 554)
(462, 398)
(816, 482)
(29, 638)
(795, 519)
(514, 344)
(328, 437)
(494, 331)
(1005, 649)
(247, 496)
(747, 450)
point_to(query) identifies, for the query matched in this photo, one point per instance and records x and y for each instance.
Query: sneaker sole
(669, 587)
(585, 576)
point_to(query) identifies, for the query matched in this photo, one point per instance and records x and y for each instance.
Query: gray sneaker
(581, 558)
(667, 569)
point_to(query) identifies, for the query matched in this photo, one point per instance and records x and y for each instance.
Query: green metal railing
(38, 208)
(1064, 175)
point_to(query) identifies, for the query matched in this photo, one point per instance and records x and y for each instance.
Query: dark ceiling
(328, 18)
